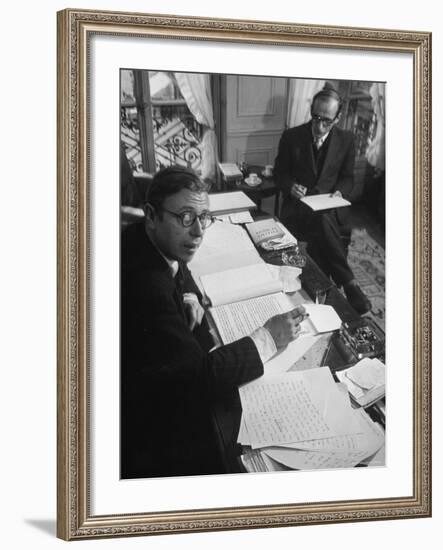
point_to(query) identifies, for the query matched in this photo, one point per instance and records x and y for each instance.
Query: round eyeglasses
(188, 217)
(324, 120)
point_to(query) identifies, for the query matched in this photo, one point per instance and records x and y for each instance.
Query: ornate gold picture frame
(77, 517)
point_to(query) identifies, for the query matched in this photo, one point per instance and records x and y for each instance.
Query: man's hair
(171, 180)
(328, 92)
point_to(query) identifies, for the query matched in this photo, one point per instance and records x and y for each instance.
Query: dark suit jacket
(295, 161)
(168, 376)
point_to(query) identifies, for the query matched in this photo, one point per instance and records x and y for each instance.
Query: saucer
(251, 183)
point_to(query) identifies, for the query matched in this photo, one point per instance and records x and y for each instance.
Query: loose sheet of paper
(336, 452)
(287, 358)
(296, 406)
(365, 380)
(306, 460)
(322, 318)
(370, 438)
(367, 373)
(289, 276)
(324, 201)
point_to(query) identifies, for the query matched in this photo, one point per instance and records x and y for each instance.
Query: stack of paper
(264, 230)
(303, 420)
(234, 201)
(230, 172)
(286, 241)
(365, 381)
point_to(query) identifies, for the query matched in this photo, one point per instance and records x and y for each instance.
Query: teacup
(253, 178)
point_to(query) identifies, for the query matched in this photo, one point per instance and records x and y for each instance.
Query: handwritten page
(296, 406)
(370, 438)
(281, 411)
(307, 460)
(324, 201)
(336, 452)
(239, 319)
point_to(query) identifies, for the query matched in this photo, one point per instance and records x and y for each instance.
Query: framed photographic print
(153, 435)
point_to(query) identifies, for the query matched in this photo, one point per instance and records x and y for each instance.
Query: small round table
(266, 188)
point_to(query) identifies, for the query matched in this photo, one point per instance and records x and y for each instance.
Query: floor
(362, 217)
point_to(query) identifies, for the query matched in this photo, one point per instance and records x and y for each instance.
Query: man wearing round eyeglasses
(314, 158)
(169, 375)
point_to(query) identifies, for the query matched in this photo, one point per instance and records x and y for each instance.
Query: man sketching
(318, 157)
(169, 376)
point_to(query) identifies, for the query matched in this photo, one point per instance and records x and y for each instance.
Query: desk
(266, 189)
(337, 356)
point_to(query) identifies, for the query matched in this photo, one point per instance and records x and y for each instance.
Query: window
(129, 121)
(157, 127)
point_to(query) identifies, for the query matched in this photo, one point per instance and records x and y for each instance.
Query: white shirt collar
(321, 140)
(173, 264)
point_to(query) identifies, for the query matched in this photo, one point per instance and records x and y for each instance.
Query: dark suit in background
(168, 375)
(324, 171)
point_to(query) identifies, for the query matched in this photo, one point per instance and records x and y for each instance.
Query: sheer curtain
(196, 89)
(375, 152)
(301, 92)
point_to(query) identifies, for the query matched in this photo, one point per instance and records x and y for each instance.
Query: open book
(245, 292)
(238, 319)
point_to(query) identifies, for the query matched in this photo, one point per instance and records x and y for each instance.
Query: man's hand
(193, 309)
(285, 327)
(336, 194)
(297, 191)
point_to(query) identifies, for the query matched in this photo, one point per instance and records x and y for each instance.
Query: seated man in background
(318, 157)
(169, 376)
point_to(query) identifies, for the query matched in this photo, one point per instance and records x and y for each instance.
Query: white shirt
(319, 141)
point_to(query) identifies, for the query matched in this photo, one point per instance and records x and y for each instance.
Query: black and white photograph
(218, 224)
(252, 274)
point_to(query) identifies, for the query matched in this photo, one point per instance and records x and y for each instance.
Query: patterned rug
(367, 260)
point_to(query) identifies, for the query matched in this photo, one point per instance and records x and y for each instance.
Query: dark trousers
(326, 233)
